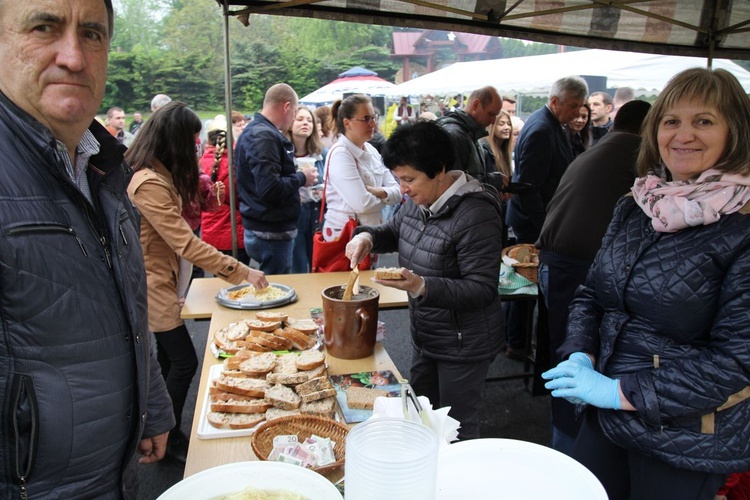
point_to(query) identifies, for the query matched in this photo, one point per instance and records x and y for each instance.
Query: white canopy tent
(647, 74)
(327, 94)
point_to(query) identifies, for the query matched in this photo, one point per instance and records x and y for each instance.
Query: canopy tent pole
(230, 139)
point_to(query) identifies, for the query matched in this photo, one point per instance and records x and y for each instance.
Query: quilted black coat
(669, 315)
(79, 382)
(457, 251)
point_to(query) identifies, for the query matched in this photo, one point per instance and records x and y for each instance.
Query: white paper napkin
(509, 261)
(445, 427)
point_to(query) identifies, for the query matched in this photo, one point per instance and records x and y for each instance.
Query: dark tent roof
(708, 28)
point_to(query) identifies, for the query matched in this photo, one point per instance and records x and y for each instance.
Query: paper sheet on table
(445, 427)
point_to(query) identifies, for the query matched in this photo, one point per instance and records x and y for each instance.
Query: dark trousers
(308, 223)
(516, 313)
(458, 385)
(563, 276)
(179, 363)
(632, 475)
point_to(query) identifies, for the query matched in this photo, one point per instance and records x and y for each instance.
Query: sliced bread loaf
(271, 316)
(235, 406)
(321, 394)
(274, 413)
(313, 385)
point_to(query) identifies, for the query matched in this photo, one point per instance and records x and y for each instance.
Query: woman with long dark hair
(165, 179)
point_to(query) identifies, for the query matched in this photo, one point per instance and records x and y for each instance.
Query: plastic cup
(391, 459)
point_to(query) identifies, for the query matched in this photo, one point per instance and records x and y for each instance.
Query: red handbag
(330, 256)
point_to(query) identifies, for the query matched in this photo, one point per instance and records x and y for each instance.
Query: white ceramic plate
(233, 478)
(507, 468)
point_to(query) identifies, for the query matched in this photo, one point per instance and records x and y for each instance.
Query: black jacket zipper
(22, 391)
(47, 228)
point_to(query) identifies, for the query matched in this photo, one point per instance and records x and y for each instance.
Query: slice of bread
(310, 359)
(314, 385)
(321, 394)
(216, 395)
(269, 340)
(233, 374)
(363, 398)
(389, 273)
(244, 386)
(286, 363)
(233, 363)
(283, 397)
(320, 371)
(322, 407)
(234, 406)
(271, 316)
(222, 420)
(259, 365)
(237, 331)
(298, 339)
(222, 342)
(274, 413)
(264, 326)
(287, 378)
(306, 326)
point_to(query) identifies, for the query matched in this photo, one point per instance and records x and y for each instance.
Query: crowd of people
(640, 213)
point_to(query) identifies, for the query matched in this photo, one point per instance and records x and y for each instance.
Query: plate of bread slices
(268, 331)
(248, 297)
(245, 391)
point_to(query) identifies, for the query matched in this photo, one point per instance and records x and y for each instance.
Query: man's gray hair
(159, 101)
(570, 86)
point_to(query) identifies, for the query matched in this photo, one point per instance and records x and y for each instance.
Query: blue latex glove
(576, 380)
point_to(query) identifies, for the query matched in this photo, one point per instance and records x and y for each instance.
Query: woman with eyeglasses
(357, 183)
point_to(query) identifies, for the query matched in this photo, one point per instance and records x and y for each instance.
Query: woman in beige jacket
(165, 179)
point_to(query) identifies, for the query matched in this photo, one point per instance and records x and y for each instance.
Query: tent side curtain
(704, 28)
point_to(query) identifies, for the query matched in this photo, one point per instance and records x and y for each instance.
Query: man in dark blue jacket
(542, 154)
(79, 382)
(269, 182)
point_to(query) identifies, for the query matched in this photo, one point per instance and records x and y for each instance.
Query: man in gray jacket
(80, 388)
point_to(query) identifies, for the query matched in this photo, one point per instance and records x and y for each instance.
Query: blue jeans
(274, 256)
(308, 222)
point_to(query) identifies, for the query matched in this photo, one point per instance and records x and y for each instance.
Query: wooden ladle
(349, 290)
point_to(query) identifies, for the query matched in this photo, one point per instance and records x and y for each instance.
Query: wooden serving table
(201, 303)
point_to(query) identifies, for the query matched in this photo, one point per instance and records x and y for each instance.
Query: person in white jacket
(358, 185)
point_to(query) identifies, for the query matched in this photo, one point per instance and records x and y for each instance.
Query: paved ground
(509, 409)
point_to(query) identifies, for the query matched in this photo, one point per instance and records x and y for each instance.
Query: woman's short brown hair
(716, 88)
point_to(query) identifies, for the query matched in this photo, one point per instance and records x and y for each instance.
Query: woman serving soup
(657, 339)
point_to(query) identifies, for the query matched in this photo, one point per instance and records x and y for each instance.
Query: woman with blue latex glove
(658, 335)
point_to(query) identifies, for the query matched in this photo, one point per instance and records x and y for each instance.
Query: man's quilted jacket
(669, 315)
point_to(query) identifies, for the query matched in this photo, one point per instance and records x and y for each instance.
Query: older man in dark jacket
(80, 385)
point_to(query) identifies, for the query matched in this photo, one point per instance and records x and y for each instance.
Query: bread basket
(303, 426)
(527, 269)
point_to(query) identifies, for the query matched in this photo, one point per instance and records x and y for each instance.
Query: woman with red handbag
(358, 185)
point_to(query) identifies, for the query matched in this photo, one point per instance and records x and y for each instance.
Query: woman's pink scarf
(675, 205)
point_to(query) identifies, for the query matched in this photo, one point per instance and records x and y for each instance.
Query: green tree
(137, 24)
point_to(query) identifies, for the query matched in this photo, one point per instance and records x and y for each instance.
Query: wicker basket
(303, 426)
(526, 269)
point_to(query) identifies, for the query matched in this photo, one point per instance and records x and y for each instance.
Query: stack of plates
(250, 302)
